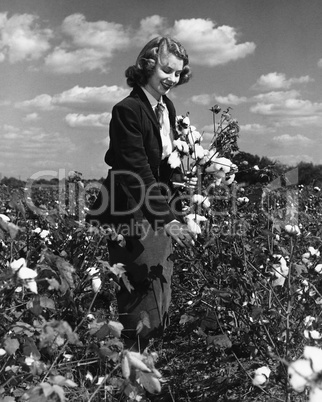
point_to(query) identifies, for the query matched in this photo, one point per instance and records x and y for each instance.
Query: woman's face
(166, 75)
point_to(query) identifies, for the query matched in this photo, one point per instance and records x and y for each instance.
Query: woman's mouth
(166, 86)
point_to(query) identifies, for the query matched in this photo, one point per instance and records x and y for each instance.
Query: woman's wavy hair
(143, 69)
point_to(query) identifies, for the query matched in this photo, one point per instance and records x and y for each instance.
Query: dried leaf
(127, 284)
(13, 230)
(117, 269)
(222, 341)
(125, 364)
(137, 363)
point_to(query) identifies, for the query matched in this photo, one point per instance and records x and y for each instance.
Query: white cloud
(231, 99)
(320, 63)
(283, 104)
(87, 46)
(22, 38)
(32, 144)
(210, 99)
(255, 128)
(32, 117)
(91, 120)
(276, 80)
(288, 140)
(90, 95)
(208, 44)
(149, 28)
(107, 36)
(63, 61)
(202, 99)
(87, 97)
(40, 102)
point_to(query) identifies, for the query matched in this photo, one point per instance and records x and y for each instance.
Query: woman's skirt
(148, 262)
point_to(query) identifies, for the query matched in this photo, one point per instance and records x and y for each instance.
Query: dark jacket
(133, 186)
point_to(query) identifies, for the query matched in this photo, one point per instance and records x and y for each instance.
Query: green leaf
(46, 302)
(115, 328)
(36, 307)
(60, 392)
(22, 327)
(103, 332)
(11, 345)
(47, 388)
(31, 348)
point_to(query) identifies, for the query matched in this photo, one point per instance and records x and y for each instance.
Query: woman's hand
(180, 233)
(189, 181)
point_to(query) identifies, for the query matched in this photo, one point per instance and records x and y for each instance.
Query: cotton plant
(310, 331)
(25, 274)
(280, 270)
(197, 160)
(94, 275)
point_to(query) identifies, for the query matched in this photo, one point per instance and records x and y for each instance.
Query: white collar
(152, 99)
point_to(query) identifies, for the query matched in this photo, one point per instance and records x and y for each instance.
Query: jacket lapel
(146, 105)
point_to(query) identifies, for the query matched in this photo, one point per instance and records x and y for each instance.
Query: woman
(135, 196)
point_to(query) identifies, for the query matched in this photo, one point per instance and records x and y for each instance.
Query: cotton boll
(196, 217)
(193, 226)
(222, 164)
(198, 152)
(17, 264)
(174, 160)
(96, 284)
(308, 320)
(186, 121)
(92, 271)
(32, 286)
(182, 146)
(318, 269)
(5, 218)
(292, 230)
(26, 273)
(229, 180)
(315, 395)
(314, 252)
(44, 233)
(315, 355)
(300, 373)
(197, 199)
(261, 375)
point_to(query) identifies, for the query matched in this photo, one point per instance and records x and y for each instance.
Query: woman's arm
(132, 163)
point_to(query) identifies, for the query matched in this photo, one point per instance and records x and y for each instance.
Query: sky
(62, 65)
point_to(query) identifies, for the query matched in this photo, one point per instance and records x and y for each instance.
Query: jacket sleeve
(133, 170)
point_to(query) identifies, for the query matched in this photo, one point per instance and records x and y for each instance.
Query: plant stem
(288, 315)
